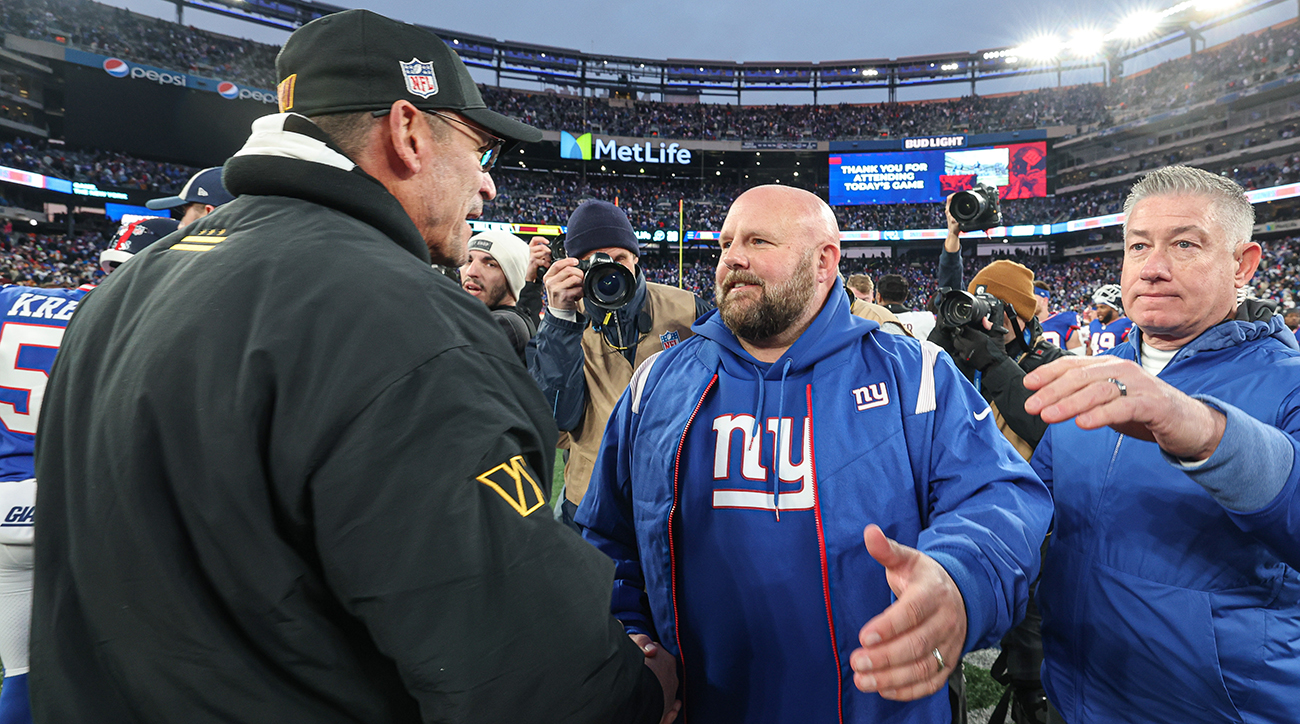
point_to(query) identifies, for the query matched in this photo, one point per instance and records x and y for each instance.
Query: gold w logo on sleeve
(508, 480)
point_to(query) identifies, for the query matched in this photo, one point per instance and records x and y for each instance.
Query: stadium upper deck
(1203, 76)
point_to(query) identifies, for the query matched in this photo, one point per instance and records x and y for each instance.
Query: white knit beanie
(511, 254)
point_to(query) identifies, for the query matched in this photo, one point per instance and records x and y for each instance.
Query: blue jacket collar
(1227, 334)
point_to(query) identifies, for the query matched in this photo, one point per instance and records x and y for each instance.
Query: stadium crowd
(102, 168)
(107, 30)
(43, 259)
(51, 260)
(1233, 66)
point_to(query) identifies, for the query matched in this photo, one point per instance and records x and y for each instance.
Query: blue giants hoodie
(732, 496)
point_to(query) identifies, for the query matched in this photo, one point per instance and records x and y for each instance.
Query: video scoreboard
(929, 169)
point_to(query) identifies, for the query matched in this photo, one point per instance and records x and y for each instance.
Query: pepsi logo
(228, 89)
(116, 68)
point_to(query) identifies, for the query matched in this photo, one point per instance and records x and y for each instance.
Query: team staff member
(291, 473)
(740, 473)
(584, 362)
(1171, 587)
(201, 195)
(892, 293)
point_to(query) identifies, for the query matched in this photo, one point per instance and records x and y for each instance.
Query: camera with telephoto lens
(954, 308)
(605, 283)
(976, 209)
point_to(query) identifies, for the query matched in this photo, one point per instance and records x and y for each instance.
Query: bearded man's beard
(776, 307)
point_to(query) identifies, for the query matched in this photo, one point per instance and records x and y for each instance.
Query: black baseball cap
(358, 60)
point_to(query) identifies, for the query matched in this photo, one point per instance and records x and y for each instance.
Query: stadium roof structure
(1185, 21)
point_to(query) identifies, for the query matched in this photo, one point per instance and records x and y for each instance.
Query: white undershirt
(1155, 360)
(567, 315)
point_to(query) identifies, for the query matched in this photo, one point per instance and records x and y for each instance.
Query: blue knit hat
(599, 225)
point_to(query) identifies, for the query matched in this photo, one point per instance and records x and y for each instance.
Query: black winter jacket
(289, 473)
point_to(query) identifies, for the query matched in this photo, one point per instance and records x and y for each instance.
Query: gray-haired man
(1170, 590)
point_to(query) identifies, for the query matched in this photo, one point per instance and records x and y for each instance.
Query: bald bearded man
(743, 470)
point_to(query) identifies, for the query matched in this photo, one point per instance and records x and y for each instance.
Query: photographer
(585, 354)
(996, 354)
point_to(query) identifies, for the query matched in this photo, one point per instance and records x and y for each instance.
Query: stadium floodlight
(1139, 25)
(1041, 48)
(1214, 6)
(870, 72)
(949, 66)
(1087, 43)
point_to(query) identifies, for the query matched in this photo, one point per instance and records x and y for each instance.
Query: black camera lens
(609, 286)
(976, 209)
(961, 311)
(966, 205)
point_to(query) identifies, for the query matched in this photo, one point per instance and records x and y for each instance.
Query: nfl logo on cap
(420, 80)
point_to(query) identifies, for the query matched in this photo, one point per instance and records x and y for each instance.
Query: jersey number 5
(28, 382)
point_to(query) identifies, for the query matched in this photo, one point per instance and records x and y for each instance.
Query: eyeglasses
(488, 152)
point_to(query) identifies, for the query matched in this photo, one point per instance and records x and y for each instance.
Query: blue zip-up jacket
(1170, 593)
(928, 465)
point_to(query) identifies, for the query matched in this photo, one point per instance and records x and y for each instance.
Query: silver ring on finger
(939, 658)
(1123, 389)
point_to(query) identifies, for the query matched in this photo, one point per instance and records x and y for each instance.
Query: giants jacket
(1173, 594)
(928, 465)
(290, 473)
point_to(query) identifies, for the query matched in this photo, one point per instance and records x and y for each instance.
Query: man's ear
(828, 262)
(1247, 257)
(407, 137)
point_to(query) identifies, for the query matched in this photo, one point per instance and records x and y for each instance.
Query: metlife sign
(589, 148)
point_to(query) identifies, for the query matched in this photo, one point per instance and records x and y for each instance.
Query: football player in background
(34, 321)
(1062, 328)
(1111, 326)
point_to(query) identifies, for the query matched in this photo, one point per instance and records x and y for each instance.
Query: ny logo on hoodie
(752, 458)
(876, 395)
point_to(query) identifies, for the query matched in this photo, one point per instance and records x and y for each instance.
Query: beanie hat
(510, 252)
(598, 225)
(1011, 282)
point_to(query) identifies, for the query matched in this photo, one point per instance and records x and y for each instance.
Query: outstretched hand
(664, 667)
(897, 656)
(1111, 391)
